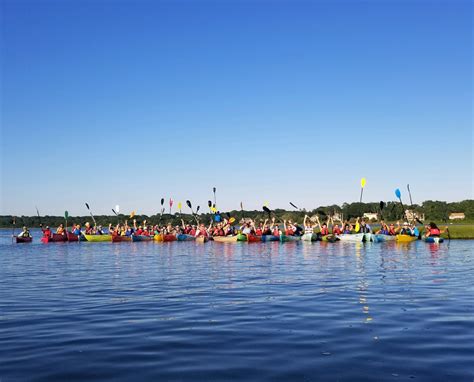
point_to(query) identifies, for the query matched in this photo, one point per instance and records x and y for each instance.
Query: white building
(457, 216)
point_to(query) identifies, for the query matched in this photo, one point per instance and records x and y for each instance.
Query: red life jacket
(258, 232)
(202, 232)
(289, 232)
(336, 231)
(391, 232)
(276, 232)
(324, 231)
(434, 232)
(139, 232)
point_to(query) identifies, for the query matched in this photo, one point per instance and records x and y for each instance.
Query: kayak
(225, 239)
(241, 237)
(24, 239)
(54, 238)
(202, 239)
(169, 237)
(158, 237)
(382, 237)
(120, 239)
(98, 238)
(406, 238)
(309, 237)
(254, 239)
(329, 238)
(432, 239)
(270, 238)
(288, 238)
(73, 237)
(185, 237)
(141, 238)
(356, 237)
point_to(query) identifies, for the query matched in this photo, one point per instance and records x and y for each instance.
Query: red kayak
(169, 237)
(72, 237)
(120, 239)
(254, 239)
(24, 239)
(54, 238)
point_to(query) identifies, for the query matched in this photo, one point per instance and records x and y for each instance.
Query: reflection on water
(237, 311)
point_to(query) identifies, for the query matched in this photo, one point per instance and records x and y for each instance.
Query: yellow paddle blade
(179, 205)
(362, 182)
(214, 209)
(265, 204)
(231, 220)
(132, 214)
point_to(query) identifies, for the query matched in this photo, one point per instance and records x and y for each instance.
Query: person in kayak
(405, 230)
(433, 230)
(362, 226)
(289, 228)
(76, 229)
(218, 230)
(25, 233)
(46, 231)
(247, 228)
(383, 229)
(323, 228)
(275, 228)
(60, 230)
(89, 230)
(336, 230)
(347, 228)
(308, 225)
(391, 230)
(202, 231)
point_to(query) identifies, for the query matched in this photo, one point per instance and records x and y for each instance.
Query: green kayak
(241, 237)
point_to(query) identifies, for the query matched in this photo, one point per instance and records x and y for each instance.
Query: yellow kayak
(98, 238)
(158, 237)
(406, 238)
(202, 239)
(225, 239)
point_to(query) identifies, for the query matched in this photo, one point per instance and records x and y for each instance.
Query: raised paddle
(398, 194)
(66, 215)
(39, 218)
(411, 205)
(116, 214)
(171, 204)
(92, 216)
(294, 206)
(268, 211)
(209, 203)
(13, 229)
(362, 185)
(179, 208)
(214, 191)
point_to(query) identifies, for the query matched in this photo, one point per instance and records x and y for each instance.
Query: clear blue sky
(127, 102)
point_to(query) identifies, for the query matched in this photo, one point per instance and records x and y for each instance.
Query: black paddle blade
(114, 212)
(209, 203)
(213, 206)
(266, 209)
(294, 206)
(214, 190)
(189, 204)
(382, 205)
(197, 209)
(162, 201)
(87, 206)
(228, 214)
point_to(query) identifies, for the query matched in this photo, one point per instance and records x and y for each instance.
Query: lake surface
(236, 312)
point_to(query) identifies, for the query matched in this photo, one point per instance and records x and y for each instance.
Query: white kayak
(357, 237)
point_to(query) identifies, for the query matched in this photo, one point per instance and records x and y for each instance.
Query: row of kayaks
(357, 237)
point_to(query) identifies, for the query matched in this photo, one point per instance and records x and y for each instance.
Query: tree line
(392, 211)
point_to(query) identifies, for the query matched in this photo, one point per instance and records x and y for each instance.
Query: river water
(236, 312)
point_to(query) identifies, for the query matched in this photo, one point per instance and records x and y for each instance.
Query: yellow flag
(132, 214)
(362, 182)
(265, 204)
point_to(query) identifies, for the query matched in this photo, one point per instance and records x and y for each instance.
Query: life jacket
(434, 232)
(46, 233)
(202, 232)
(139, 232)
(89, 231)
(324, 231)
(268, 231)
(276, 231)
(364, 229)
(258, 232)
(384, 232)
(391, 232)
(336, 231)
(289, 232)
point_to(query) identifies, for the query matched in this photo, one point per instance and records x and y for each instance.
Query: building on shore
(457, 216)
(413, 215)
(371, 216)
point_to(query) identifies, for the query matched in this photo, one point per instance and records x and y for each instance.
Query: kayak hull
(309, 237)
(24, 239)
(98, 238)
(431, 239)
(241, 237)
(121, 239)
(329, 238)
(202, 239)
(381, 237)
(270, 238)
(136, 238)
(54, 238)
(169, 237)
(354, 237)
(254, 239)
(405, 238)
(289, 238)
(225, 239)
(73, 237)
(185, 237)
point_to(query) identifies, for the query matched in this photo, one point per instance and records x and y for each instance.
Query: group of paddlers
(226, 227)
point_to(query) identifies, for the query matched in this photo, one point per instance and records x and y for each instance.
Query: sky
(121, 102)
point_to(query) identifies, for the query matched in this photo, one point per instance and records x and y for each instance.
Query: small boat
(185, 237)
(158, 237)
(433, 239)
(254, 239)
(98, 238)
(141, 238)
(382, 237)
(54, 238)
(120, 239)
(309, 237)
(270, 238)
(329, 238)
(406, 238)
(356, 237)
(288, 238)
(169, 237)
(202, 239)
(73, 237)
(241, 237)
(225, 239)
(28, 239)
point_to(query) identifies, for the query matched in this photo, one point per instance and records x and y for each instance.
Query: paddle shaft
(361, 193)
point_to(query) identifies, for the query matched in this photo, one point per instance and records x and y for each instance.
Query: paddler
(202, 231)
(89, 229)
(60, 230)
(46, 231)
(308, 225)
(433, 230)
(405, 230)
(25, 233)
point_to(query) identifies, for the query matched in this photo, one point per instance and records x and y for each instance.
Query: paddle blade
(213, 209)
(171, 202)
(293, 205)
(132, 214)
(214, 190)
(382, 205)
(189, 204)
(266, 209)
(179, 205)
(117, 208)
(66, 214)
(115, 213)
(241, 206)
(162, 201)
(398, 194)
(87, 206)
(209, 203)
(362, 182)
(231, 220)
(265, 204)
(197, 209)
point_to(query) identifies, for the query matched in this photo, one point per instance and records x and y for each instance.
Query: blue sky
(127, 102)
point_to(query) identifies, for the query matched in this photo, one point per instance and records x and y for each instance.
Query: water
(236, 312)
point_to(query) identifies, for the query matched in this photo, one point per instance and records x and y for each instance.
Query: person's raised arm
(305, 220)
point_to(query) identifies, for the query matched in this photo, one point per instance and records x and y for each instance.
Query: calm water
(236, 312)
